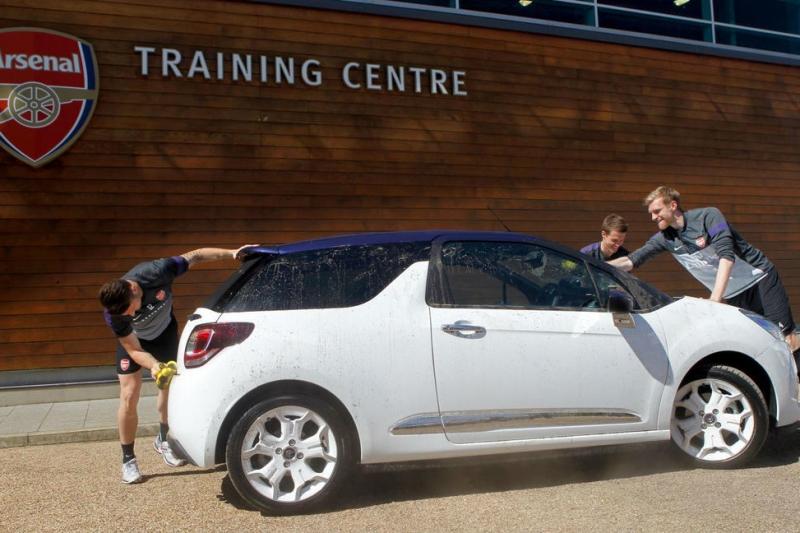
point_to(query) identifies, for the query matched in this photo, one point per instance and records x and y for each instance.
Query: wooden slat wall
(555, 133)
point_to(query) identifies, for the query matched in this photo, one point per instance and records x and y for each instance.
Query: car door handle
(465, 331)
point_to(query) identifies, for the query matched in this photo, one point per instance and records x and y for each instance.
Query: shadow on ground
(780, 449)
(519, 472)
(419, 481)
(179, 473)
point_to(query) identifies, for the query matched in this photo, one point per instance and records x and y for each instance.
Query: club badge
(48, 91)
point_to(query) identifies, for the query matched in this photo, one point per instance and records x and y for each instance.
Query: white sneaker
(130, 472)
(163, 448)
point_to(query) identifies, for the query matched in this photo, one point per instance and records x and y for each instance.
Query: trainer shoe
(130, 472)
(163, 448)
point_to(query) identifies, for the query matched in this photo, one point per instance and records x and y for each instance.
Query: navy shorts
(164, 348)
(768, 298)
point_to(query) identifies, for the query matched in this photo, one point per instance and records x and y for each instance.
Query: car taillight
(206, 341)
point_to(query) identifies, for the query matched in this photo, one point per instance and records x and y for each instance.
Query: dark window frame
(436, 292)
(626, 284)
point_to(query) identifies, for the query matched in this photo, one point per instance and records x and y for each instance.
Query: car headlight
(766, 325)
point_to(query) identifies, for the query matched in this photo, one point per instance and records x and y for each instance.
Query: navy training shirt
(594, 250)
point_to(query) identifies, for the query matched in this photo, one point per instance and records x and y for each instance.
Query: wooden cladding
(552, 135)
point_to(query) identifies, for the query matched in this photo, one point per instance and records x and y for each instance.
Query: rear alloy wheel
(289, 454)
(720, 418)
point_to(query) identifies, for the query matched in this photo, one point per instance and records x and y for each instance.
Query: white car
(318, 356)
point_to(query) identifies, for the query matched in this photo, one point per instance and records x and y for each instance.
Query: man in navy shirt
(138, 309)
(712, 251)
(612, 237)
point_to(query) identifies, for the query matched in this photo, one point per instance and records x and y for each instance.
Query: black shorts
(164, 348)
(768, 298)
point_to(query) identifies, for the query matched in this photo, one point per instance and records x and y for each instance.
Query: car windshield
(648, 296)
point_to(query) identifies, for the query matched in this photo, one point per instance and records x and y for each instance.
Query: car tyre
(719, 418)
(290, 454)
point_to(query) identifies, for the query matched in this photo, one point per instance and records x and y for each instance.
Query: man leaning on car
(716, 254)
(138, 309)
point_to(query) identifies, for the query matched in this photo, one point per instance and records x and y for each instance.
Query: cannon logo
(48, 91)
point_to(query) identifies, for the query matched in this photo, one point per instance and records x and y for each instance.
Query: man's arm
(654, 246)
(134, 348)
(622, 263)
(720, 235)
(721, 282)
(204, 255)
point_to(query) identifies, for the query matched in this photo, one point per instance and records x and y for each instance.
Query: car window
(604, 281)
(337, 277)
(512, 274)
(646, 296)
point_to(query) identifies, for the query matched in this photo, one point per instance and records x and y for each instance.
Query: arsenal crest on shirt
(48, 92)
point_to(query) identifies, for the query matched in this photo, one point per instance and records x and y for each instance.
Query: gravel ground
(76, 487)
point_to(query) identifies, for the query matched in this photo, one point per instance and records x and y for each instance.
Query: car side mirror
(619, 301)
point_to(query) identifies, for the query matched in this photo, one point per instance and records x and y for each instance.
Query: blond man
(717, 255)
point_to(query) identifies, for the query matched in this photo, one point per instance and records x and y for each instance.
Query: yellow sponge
(165, 373)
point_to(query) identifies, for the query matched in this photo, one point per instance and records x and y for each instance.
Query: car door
(522, 348)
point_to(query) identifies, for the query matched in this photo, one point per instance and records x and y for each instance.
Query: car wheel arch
(741, 362)
(277, 388)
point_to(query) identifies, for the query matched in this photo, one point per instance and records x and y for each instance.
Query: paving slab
(147, 410)
(65, 416)
(103, 413)
(25, 418)
(4, 412)
(73, 421)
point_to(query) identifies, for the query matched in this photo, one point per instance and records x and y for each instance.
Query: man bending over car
(717, 256)
(138, 308)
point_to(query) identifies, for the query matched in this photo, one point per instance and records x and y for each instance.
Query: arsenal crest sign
(48, 92)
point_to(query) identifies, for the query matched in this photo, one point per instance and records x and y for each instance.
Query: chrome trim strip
(421, 424)
(476, 421)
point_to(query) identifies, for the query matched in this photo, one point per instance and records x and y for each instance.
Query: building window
(755, 25)
(762, 41)
(654, 25)
(696, 9)
(439, 3)
(571, 12)
(776, 15)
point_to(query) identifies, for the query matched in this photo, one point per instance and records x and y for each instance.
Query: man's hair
(668, 194)
(614, 222)
(116, 296)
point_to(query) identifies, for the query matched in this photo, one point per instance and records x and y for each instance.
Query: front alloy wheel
(719, 418)
(287, 455)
